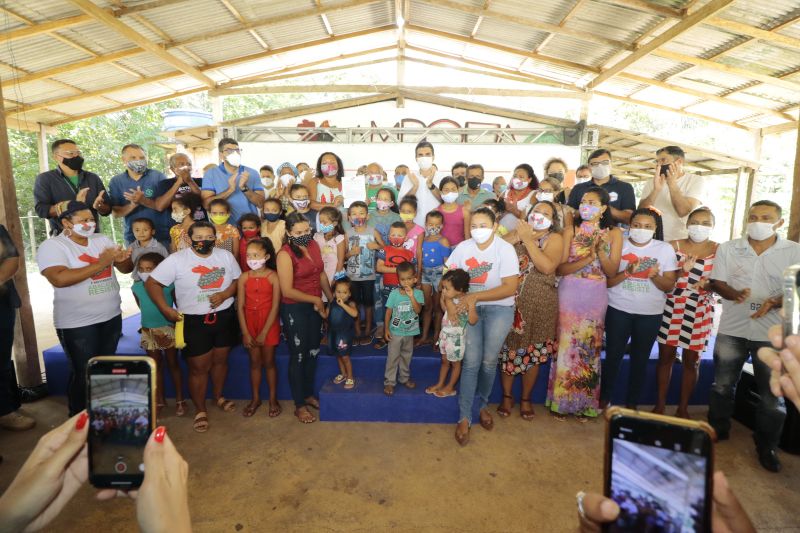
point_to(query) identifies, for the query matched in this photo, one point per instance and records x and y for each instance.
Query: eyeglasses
(69, 153)
(605, 163)
(232, 150)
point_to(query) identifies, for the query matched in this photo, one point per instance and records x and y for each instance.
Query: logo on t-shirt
(638, 269)
(478, 272)
(210, 278)
(103, 274)
(613, 196)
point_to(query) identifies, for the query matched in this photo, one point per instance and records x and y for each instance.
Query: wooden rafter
(569, 14)
(482, 91)
(649, 7)
(238, 16)
(756, 33)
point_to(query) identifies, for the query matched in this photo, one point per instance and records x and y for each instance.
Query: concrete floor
(264, 474)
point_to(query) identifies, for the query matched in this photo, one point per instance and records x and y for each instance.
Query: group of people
(121, 425)
(514, 274)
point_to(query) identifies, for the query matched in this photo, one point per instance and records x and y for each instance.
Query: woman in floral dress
(593, 254)
(531, 341)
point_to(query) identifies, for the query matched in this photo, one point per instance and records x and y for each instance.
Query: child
(250, 228)
(388, 259)
(362, 242)
(456, 217)
(331, 241)
(182, 209)
(401, 325)
(375, 182)
(300, 203)
(158, 333)
(274, 227)
(452, 339)
(257, 303)
(144, 232)
(287, 176)
(342, 313)
(386, 212)
(219, 211)
(433, 251)
(408, 211)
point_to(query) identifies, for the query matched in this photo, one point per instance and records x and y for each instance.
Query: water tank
(178, 119)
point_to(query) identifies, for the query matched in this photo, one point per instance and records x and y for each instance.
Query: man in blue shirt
(239, 185)
(134, 192)
(622, 198)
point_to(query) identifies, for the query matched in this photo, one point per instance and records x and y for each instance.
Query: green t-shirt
(151, 316)
(405, 322)
(477, 201)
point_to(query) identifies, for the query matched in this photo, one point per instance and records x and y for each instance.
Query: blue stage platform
(366, 402)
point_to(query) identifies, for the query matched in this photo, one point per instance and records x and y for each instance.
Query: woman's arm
(156, 292)
(609, 262)
(665, 281)
(61, 276)
(326, 286)
(508, 287)
(546, 261)
(616, 279)
(570, 267)
(312, 196)
(286, 281)
(473, 313)
(465, 211)
(217, 298)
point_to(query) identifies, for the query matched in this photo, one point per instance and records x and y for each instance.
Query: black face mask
(74, 163)
(474, 183)
(557, 175)
(203, 247)
(302, 241)
(462, 180)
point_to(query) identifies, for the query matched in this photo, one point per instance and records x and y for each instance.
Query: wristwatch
(244, 188)
(432, 187)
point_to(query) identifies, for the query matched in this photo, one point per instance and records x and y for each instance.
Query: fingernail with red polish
(161, 431)
(81, 422)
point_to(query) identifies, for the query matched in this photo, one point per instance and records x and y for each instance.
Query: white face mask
(518, 184)
(449, 197)
(545, 196)
(84, 229)
(579, 180)
(267, 183)
(286, 179)
(425, 162)
(601, 172)
(539, 222)
(481, 235)
(760, 231)
(698, 233)
(234, 159)
(255, 264)
(178, 217)
(641, 235)
(144, 276)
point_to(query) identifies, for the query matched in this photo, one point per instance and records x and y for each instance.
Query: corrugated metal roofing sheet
(42, 10)
(38, 53)
(759, 13)
(221, 48)
(578, 50)
(294, 32)
(98, 38)
(361, 17)
(189, 19)
(550, 11)
(442, 18)
(95, 78)
(509, 34)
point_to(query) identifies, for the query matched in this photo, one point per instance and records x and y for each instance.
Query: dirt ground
(264, 474)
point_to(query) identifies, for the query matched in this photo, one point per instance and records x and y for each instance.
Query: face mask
(178, 217)
(383, 204)
(539, 222)
(407, 217)
(698, 233)
(250, 233)
(580, 180)
(300, 204)
(503, 188)
(425, 162)
(286, 179)
(74, 163)
(357, 221)
(760, 231)
(518, 184)
(398, 179)
(137, 166)
(325, 228)
(588, 211)
(397, 242)
(474, 183)
(329, 169)
(449, 197)
(203, 247)
(255, 264)
(272, 217)
(375, 179)
(84, 229)
(462, 180)
(267, 183)
(481, 235)
(234, 159)
(641, 235)
(433, 230)
(557, 175)
(301, 241)
(601, 172)
(219, 219)
(144, 276)
(545, 196)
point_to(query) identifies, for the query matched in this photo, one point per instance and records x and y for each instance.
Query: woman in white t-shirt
(86, 302)
(205, 284)
(493, 269)
(636, 296)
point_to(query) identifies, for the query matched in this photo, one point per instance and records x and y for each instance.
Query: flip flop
(180, 408)
(439, 394)
(304, 415)
(349, 383)
(274, 410)
(225, 404)
(431, 390)
(313, 402)
(200, 424)
(338, 379)
(250, 409)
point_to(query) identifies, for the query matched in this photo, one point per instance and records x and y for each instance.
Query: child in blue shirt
(401, 324)
(158, 333)
(342, 313)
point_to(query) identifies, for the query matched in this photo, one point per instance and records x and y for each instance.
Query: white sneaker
(16, 422)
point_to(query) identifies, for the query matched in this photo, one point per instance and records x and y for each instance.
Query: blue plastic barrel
(178, 119)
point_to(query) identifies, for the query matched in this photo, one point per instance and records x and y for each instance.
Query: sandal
(433, 389)
(338, 379)
(349, 383)
(201, 422)
(410, 384)
(560, 417)
(304, 415)
(274, 410)
(487, 422)
(388, 390)
(225, 404)
(526, 414)
(180, 408)
(442, 394)
(251, 409)
(462, 438)
(380, 344)
(312, 402)
(502, 411)
(366, 340)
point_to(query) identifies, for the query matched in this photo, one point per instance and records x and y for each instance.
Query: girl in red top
(302, 280)
(250, 228)
(258, 300)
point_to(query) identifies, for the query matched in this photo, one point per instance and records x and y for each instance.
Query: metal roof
(61, 61)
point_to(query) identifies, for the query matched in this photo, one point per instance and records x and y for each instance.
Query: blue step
(367, 402)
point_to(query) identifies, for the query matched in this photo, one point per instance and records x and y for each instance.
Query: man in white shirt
(673, 192)
(748, 274)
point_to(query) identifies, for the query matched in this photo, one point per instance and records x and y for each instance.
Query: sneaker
(16, 422)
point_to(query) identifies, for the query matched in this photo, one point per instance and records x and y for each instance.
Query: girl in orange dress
(259, 296)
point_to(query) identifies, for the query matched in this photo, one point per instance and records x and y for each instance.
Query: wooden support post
(44, 163)
(738, 202)
(794, 209)
(26, 352)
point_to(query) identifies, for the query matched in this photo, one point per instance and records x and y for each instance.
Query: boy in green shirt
(401, 324)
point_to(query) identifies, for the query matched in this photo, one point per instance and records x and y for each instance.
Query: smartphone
(121, 404)
(791, 301)
(659, 471)
(663, 170)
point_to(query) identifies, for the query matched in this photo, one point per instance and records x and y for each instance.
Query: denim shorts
(432, 276)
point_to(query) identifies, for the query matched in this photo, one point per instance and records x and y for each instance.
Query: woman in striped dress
(689, 310)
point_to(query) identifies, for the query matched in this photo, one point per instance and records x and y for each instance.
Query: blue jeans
(730, 354)
(484, 341)
(642, 331)
(80, 345)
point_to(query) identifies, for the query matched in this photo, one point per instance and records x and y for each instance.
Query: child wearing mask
(331, 240)
(274, 226)
(387, 261)
(362, 243)
(375, 182)
(300, 204)
(456, 217)
(219, 212)
(144, 231)
(408, 212)
(250, 228)
(432, 252)
(182, 209)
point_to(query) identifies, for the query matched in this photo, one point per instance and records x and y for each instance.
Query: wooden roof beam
(756, 33)
(685, 24)
(653, 9)
(570, 13)
(480, 91)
